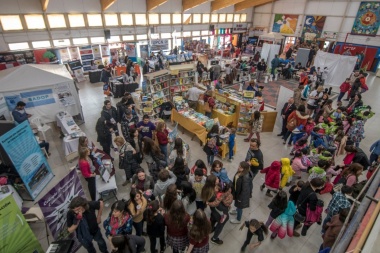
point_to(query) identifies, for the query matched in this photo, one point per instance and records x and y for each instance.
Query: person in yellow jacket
(286, 171)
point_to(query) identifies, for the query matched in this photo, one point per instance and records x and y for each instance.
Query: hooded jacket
(301, 117)
(272, 175)
(286, 171)
(160, 186)
(317, 172)
(284, 223)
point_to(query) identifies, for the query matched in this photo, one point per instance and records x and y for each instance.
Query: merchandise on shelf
(180, 103)
(181, 82)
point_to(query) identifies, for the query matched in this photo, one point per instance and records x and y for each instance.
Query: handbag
(291, 124)
(316, 215)
(206, 106)
(299, 217)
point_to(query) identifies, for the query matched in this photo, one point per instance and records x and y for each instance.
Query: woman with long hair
(137, 205)
(119, 221)
(199, 232)
(255, 126)
(84, 142)
(155, 225)
(153, 157)
(176, 221)
(143, 183)
(352, 173)
(162, 138)
(136, 141)
(188, 197)
(128, 243)
(170, 196)
(209, 191)
(178, 151)
(180, 170)
(88, 171)
(127, 160)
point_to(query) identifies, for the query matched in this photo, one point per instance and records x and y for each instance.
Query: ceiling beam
(189, 4)
(152, 4)
(220, 4)
(106, 4)
(250, 3)
(44, 4)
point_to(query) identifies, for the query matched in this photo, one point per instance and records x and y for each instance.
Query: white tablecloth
(102, 186)
(68, 126)
(15, 194)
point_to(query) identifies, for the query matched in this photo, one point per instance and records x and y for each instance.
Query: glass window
(35, 22)
(154, 19)
(165, 19)
(111, 19)
(11, 22)
(206, 18)
(230, 18)
(128, 37)
(197, 18)
(76, 20)
(243, 18)
(196, 38)
(205, 32)
(126, 19)
(140, 19)
(154, 36)
(79, 41)
(62, 42)
(177, 18)
(18, 46)
(214, 18)
(97, 39)
(186, 18)
(114, 39)
(166, 35)
(186, 34)
(237, 18)
(56, 21)
(141, 36)
(94, 20)
(222, 18)
(196, 33)
(41, 44)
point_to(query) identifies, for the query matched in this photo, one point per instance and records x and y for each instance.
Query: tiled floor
(92, 98)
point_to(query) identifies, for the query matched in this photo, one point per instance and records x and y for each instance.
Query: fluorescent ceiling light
(56, 21)
(11, 22)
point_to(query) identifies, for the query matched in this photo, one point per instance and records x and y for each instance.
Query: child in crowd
(286, 171)
(297, 164)
(218, 170)
(231, 144)
(338, 114)
(295, 190)
(305, 159)
(162, 138)
(198, 180)
(255, 125)
(314, 156)
(254, 228)
(284, 223)
(272, 178)
(299, 145)
(344, 87)
(309, 126)
(155, 225)
(277, 206)
(356, 131)
(226, 196)
(201, 165)
(319, 171)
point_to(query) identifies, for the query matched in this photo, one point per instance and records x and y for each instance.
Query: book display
(182, 79)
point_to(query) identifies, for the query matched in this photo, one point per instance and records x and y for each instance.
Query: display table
(102, 188)
(71, 131)
(14, 193)
(190, 125)
(224, 149)
(94, 75)
(224, 119)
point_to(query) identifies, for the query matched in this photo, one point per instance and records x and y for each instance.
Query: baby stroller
(165, 110)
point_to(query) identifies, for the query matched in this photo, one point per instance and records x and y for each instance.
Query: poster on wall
(46, 56)
(16, 235)
(86, 57)
(64, 94)
(74, 52)
(367, 19)
(144, 51)
(27, 158)
(65, 56)
(284, 23)
(329, 35)
(313, 27)
(157, 45)
(239, 27)
(55, 204)
(130, 49)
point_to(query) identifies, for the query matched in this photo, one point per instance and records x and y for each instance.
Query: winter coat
(148, 182)
(128, 161)
(301, 118)
(332, 232)
(306, 198)
(286, 171)
(127, 124)
(222, 175)
(160, 187)
(361, 158)
(206, 148)
(103, 132)
(317, 172)
(284, 223)
(255, 154)
(113, 114)
(272, 175)
(241, 189)
(356, 131)
(298, 166)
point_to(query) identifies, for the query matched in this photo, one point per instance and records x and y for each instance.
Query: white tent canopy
(46, 89)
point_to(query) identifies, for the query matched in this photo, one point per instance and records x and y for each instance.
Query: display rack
(181, 79)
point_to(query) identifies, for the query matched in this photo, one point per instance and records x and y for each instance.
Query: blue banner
(27, 157)
(38, 97)
(12, 101)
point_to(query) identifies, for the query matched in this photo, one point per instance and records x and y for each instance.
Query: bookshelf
(182, 77)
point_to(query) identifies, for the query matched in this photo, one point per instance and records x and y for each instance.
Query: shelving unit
(181, 79)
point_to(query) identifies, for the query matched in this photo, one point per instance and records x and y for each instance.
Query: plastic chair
(34, 215)
(41, 126)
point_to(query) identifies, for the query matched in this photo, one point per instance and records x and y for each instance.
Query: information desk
(190, 125)
(103, 188)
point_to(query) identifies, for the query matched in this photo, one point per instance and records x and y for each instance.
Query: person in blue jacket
(19, 114)
(375, 151)
(218, 170)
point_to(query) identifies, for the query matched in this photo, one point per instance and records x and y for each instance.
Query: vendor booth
(45, 89)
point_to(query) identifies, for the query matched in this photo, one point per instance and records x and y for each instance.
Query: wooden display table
(224, 149)
(224, 119)
(190, 125)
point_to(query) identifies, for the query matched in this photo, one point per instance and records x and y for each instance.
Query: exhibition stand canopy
(46, 90)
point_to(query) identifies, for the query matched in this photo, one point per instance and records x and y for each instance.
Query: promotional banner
(313, 27)
(157, 45)
(12, 101)
(55, 204)
(74, 52)
(130, 49)
(37, 97)
(15, 233)
(46, 56)
(26, 155)
(86, 57)
(64, 94)
(65, 56)
(239, 27)
(284, 23)
(144, 52)
(367, 19)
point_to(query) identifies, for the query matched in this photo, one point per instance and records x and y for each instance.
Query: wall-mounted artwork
(284, 23)
(313, 27)
(367, 19)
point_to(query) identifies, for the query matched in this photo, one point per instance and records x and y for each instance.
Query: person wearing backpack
(212, 144)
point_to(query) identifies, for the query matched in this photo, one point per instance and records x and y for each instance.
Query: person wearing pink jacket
(297, 164)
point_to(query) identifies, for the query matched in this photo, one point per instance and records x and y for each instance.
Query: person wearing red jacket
(162, 138)
(344, 87)
(272, 178)
(363, 86)
(87, 170)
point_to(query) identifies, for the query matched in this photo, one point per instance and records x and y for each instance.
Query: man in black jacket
(288, 108)
(261, 68)
(104, 135)
(109, 112)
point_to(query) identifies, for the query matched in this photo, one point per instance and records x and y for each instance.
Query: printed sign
(157, 45)
(38, 97)
(239, 27)
(15, 233)
(64, 94)
(27, 157)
